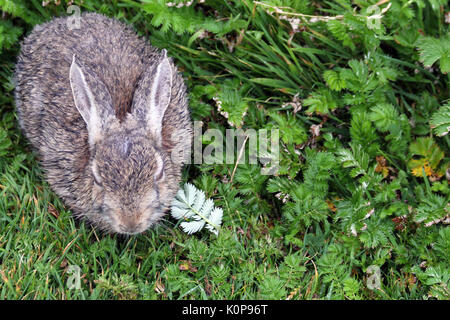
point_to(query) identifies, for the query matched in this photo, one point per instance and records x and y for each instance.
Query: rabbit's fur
(108, 115)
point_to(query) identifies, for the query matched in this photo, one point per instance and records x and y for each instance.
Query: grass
(345, 199)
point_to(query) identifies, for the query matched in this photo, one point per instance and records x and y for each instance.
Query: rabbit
(108, 116)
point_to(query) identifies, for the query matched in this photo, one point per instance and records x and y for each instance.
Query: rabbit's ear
(151, 106)
(86, 102)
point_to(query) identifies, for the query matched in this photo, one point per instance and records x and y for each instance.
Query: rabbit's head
(133, 178)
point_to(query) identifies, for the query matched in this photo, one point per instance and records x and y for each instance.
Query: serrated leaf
(191, 194)
(333, 80)
(433, 49)
(190, 204)
(429, 156)
(432, 208)
(384, 116)
(440, 121)
(179, 213)
(199, 200)
(192, 226)
(216, 216)
(321, 101)
(207, 207)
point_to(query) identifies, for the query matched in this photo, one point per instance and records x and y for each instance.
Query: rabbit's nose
(130, 226)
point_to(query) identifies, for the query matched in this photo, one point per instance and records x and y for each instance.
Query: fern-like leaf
(432, 50)
(333, 80)
(356, 158)
(191, 205)
(440, 121)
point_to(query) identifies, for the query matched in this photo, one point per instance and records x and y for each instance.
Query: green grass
(362, 192)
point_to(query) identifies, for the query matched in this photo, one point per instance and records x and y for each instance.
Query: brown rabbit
(108, 115)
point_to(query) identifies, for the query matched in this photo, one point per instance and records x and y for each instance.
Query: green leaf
(339, 30)
(274, 83)
(351, 288)
(428, 155)
(321, 101)
(440, 120)
(384, 115)
(433, 49)
(9, 34)
(355, 158)
(230, 102)
(291, 128)
(5, 142)
(334, 80)
(432, 209)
